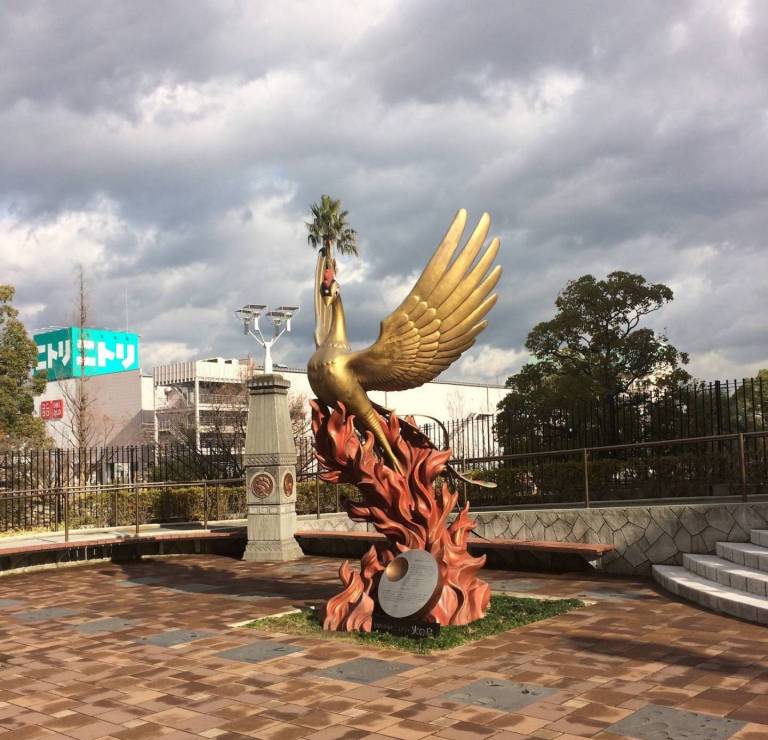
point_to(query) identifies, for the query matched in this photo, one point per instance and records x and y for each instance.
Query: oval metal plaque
(408, 584)
(288, 485)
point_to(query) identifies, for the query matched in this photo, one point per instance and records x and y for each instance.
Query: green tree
(329, 228)
(591, 352)
(749, 403)
(19, 427)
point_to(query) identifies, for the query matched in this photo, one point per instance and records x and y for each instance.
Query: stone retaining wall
(329, 523)
(643, 535)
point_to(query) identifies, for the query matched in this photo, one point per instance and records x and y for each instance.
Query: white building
(118, 409)
(96, 390)
(194, 401)
(201, 390)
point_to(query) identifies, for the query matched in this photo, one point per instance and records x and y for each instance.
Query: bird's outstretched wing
(439, 319)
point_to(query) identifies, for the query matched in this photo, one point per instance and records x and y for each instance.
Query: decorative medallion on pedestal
(392, 463)
(262, 484)
(288, 485)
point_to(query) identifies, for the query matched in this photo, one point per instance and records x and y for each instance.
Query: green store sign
(75, 352)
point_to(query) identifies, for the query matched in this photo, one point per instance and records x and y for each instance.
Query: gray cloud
(175, 153)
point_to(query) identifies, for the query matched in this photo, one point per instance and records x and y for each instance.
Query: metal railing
(731, 467)
(124, 505)
(724, 468)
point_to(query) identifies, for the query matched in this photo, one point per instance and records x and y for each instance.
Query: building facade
(207, 399)
(96, 395)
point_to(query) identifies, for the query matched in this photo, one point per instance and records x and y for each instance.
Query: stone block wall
(643, 535)
(329, 523)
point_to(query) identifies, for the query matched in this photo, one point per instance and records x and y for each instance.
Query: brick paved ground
(144, 650)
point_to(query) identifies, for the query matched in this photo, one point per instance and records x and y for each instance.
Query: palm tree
(329, 227)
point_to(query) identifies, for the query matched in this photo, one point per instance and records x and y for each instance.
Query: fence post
(743, 467)
(205, 505)
(336, 486)
(317, 493)
(66, 516)
(585, 457)
(114, 506)
(136, 504)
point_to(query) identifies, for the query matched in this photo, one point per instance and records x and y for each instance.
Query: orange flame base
(408, 509)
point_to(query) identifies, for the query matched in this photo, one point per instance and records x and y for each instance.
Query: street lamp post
(281, 323)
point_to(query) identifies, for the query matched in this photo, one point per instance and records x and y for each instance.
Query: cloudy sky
(173, 148)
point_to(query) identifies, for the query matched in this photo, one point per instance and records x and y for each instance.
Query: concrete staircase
(735, 581)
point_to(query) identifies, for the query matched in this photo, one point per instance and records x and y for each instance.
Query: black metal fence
(701, 441)
(122, 505)
(719, 467)
(696, 410)
(729, 467)
(44, 469)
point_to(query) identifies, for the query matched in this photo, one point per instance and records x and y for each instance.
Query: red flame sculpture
(408, 509)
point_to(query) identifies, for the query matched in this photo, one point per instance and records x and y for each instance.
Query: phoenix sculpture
(438, 320)
(394, 466)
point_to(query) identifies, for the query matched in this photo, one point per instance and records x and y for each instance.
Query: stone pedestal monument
(270, 472)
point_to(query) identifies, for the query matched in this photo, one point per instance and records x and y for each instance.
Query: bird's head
(329, 313)
(329, 288)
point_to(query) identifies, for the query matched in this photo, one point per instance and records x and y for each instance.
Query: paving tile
(371, 721)
(4, 603)
(466, 731)
(510, 585)
(195, 588)
(176, 637)
(280, 731)
(248, 725)
(184, 719)
(364, 670)
(599, 665)
(338, 732)
(660, 723)
(407, 729)
(32, 732)
(606, 593)
(40, 615)
(143, 581)
(254, 595)
(494, 693)
(256, 652)
(107, 624)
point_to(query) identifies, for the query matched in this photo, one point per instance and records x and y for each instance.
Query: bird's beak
(327, 300)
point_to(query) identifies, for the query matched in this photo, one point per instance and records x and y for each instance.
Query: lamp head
(288, 312)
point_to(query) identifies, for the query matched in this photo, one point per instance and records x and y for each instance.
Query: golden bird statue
(438, 320)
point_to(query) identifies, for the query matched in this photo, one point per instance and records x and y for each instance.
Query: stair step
(740, 577)
(744, 553)
(715, 596)
(759, 537)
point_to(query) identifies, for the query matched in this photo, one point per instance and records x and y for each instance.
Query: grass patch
(505, 613)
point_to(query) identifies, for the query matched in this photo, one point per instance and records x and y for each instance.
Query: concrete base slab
(256, 652)
(364, 670)
(661, 723)
(108, 624)
(177, 637)
(493, 693)
(40, 615)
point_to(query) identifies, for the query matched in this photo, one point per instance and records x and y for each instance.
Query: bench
(120, 547)
(536, 554)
